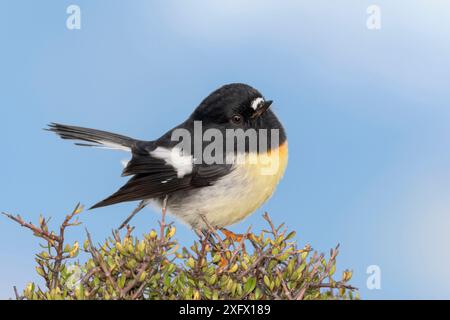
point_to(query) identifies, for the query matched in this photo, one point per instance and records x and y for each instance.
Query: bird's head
(236, 106)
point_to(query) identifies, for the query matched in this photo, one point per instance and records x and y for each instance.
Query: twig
(140, 206)
(60, 246)
(38, 231)
(240, 246)
(100, 261)
(254, 264)
(336, 285)
(139, 291)
(267, 218)
(311, 276)
(283, 283)
(133, 283)
(129, 231)
(16, 293)
(213, 231)
(202, 255)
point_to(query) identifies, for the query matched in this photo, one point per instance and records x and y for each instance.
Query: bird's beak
(262, 107)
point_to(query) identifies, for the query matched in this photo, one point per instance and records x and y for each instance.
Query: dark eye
(236, 118)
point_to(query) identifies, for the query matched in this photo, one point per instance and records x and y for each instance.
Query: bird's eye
(236, 119)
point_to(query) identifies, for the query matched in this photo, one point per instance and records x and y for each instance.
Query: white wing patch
(256, 103)
(175, 158)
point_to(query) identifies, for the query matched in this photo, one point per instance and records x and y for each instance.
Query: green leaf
(250, 285)
(267, 281)
(290, 235)
(121, 281)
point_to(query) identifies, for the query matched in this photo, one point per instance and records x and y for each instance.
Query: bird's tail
(92, 137)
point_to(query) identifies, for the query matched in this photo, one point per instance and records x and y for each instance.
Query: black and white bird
(223, 193)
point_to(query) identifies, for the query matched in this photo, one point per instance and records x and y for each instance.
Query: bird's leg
(199, 232)
(140, 206)
(202, 233)
(222, 248)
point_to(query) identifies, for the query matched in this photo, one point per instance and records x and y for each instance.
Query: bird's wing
(207, 174)
(158, 171)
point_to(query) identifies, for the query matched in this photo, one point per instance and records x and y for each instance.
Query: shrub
(264, 265)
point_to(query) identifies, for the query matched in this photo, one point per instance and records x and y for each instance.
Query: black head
(235, 106)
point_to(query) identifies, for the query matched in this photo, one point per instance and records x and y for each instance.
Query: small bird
(200, 193)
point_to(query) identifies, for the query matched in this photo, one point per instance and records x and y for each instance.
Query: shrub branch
(264, 265)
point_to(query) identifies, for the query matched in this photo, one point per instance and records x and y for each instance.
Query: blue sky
(366, 112)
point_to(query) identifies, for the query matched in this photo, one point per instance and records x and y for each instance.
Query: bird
(200, 193)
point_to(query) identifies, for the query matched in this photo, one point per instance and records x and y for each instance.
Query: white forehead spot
(174, 157)
(256, 102)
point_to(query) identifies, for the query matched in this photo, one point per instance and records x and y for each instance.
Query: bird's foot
(234, 238)
(230, 235)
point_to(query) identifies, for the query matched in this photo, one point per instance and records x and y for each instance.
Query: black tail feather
(96, 138)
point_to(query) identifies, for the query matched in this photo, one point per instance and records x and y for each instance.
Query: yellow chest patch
(247, 187)
(238, 194)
